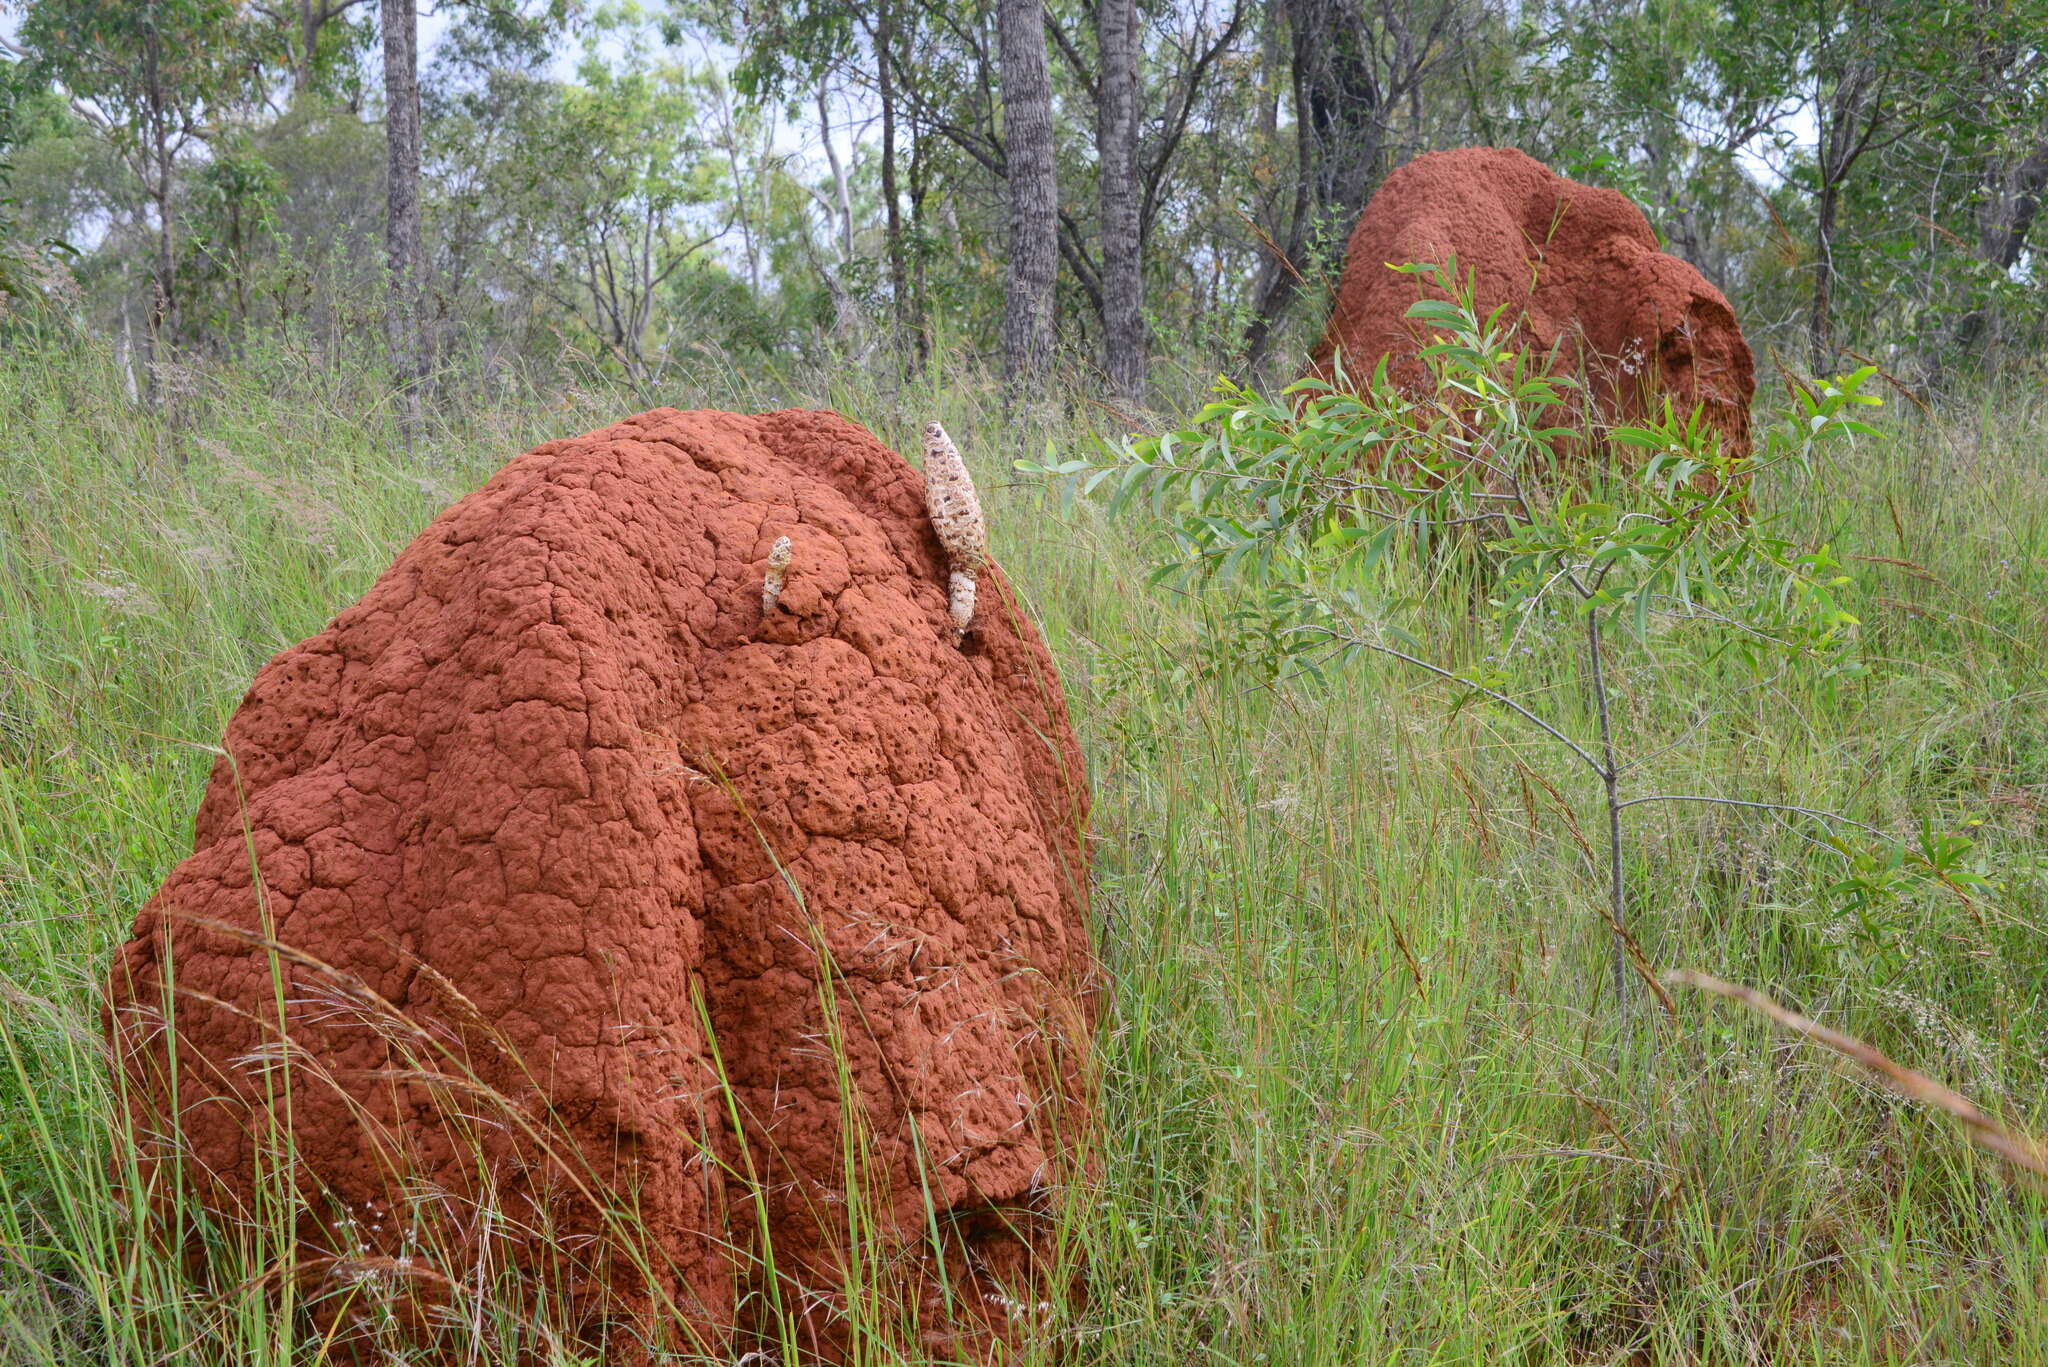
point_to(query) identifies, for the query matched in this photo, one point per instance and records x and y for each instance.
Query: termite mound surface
(728, 945)
(1579, 267)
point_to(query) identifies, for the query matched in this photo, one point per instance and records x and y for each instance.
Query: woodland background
(1133, 190)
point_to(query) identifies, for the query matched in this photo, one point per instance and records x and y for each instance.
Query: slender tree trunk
(1272, 68)
(124, 352)
(1340, 115)
(839, 210)
(899, 285)
(1278, 279)
(1849, 118)
(918, 285)
(163, 312)
(1610, 783)
(312, 14)
(1116, 138)
(240, 266)
(2011, 204)
(1821, 325)
(750, 233)
(842, 187)
(1034, 195)
(402, 200)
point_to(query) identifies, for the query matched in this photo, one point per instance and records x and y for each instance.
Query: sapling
(1569, 527)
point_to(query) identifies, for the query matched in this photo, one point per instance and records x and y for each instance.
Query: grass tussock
(1366, 1100)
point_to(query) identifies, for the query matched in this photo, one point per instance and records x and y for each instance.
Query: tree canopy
(641, 181)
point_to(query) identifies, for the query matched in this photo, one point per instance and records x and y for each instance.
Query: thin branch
(1610, 780)
(1493, 693)
(1077, 261)
(1759, 806)
(1153, 174)
(1084, 266)
(1073, 57)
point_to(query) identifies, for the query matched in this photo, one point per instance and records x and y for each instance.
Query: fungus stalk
(779, 557)
(956, 516)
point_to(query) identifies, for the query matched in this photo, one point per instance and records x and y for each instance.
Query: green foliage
(25, 262)
(1311, 491)
(792, 43)
(1702, 110)
(13, 260)
(151, 67)
(230, 212)
(606, 195)
(1494, 480)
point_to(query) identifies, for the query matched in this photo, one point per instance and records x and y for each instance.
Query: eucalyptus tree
(608, 191)
(400, 27)
(1123, 282)
(882, 34)
(1903, 136)
(2002, 119)
(14, 258)
(315, 35)
(149, 76)
(1358, 69)
(1034, 196)
(798, 46)
(1855, 104)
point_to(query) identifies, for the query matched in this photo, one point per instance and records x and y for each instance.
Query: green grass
(1366, 1101)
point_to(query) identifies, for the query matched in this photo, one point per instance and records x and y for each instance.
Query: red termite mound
(1581, 264)
(588, 892)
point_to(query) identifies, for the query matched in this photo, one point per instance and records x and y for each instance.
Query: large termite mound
(1580, 267)
(650, 885)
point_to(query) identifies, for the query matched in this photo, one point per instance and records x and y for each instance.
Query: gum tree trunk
(1034, 195)
(402, 198)
(899, 277)
(1123, 290)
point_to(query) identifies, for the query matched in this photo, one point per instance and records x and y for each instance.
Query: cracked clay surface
(555, 836)
(1645, 323)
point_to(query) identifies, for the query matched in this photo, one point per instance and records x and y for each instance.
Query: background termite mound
(1580, 264)
(651, 883)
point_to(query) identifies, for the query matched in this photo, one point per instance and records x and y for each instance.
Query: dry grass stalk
(2019, 1150)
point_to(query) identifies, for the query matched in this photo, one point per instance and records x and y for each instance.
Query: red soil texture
(585, 890)
(1580, 263)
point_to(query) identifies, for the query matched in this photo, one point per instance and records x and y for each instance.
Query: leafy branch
(1578, 531)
